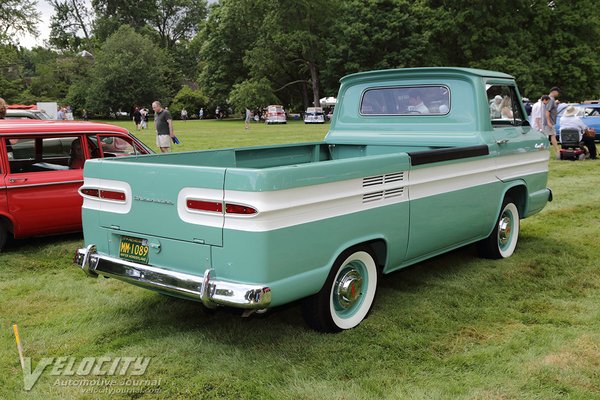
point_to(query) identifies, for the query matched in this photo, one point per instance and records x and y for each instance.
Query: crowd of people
(544, 118)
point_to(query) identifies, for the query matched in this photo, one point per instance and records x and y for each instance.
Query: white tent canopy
(328, 101)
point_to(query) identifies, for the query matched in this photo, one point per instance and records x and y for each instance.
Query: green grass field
(454, 327)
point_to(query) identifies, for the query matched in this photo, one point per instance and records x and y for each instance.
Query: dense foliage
(246, 53)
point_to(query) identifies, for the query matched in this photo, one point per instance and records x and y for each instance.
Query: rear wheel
(503, 240)
(347, 295)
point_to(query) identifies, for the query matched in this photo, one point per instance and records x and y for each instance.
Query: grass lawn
(454, 327)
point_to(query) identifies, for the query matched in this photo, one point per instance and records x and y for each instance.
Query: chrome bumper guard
(210, 291)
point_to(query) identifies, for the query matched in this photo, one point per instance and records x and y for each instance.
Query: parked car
(26, 114)
(314, 115)
(589, 114)
(41, 169)
(275, 115)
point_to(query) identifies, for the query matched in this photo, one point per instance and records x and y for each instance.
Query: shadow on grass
(33, 244)
(166, 316)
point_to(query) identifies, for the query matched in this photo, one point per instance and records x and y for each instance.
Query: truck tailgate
(154, 200)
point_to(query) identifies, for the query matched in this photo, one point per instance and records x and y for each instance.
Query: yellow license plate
(134, 249)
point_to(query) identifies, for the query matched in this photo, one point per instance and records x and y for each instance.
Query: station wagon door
(42, 179)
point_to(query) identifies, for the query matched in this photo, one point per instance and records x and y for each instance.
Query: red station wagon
(41, 168)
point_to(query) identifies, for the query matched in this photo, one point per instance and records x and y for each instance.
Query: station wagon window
(44, 154)
(415, 100)
(504, 105)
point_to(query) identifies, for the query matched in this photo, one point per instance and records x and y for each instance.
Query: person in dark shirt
(164, 127)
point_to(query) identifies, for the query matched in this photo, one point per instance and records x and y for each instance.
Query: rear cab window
(413, 100)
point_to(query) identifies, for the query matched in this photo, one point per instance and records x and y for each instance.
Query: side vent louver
(382, 180)
(396, 177)
(373, 180)
(393, 193)
(369, 197)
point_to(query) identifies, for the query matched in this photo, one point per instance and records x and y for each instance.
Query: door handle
(502, 141)
(13, 180)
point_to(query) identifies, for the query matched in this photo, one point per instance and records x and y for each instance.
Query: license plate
(134, 249)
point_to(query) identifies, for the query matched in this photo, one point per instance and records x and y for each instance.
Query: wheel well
(518, 194)
(6, 223)
(379, 247)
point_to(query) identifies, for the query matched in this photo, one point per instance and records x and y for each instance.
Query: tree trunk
(305, 96)
(314, 78)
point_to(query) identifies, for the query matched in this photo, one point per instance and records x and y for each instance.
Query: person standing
(144, 113)
(60, 115)
(537, 113)
(247, 119)
(549, 119)
(184, 114)
(3, 108)
(201, 113)
(163, 123)
(137, 118)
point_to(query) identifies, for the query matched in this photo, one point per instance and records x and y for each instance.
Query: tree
(189, 99)
(375, 34)
(71, 20)
(230, 31)
(254, 94)
(11, 69)
(129, 70)
(17, 17)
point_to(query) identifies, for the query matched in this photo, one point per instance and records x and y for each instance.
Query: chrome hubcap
(504, 230)
(348, 288)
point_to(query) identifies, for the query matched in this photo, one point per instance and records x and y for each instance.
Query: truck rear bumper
(211, 292)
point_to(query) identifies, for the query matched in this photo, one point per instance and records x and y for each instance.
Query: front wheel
(503, 240)
(347, 295)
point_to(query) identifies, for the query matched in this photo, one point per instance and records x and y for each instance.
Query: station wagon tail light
(104, 194)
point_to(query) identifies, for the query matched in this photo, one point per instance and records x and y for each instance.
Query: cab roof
(426, 71)
(33, 126)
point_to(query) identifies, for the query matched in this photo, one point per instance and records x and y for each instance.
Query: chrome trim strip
(42, 184)
(210, 292)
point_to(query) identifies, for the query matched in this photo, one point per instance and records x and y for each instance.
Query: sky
(46, 12)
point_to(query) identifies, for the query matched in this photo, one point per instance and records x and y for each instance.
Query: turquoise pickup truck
(417, 162)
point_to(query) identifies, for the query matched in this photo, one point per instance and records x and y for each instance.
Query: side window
(504, 105)
(44, 154)
(115, 146)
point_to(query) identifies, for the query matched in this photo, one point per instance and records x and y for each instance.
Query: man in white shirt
(537, 113)
(416, 103)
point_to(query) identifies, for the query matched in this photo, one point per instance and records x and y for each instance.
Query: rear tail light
(201, 205)
(239, 209)
(91, 192)
(104, 194)
(217, 207)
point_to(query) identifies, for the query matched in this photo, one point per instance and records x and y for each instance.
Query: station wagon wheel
(347, 295)
(503, 240)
